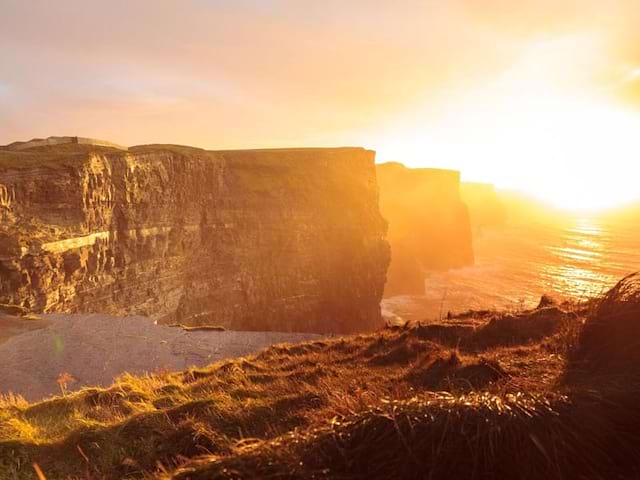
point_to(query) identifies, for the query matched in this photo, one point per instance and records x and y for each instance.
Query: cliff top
(62, 154)
(186, 150)
(55, 149)
(53, 141)
(56, 143)
(400, 169)
(394, 176)
(156, 146)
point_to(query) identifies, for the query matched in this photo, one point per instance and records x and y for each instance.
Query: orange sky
(526, 94)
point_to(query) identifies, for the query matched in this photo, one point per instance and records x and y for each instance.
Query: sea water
(579, 257)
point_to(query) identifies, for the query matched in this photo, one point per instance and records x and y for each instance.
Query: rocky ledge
(286, 240)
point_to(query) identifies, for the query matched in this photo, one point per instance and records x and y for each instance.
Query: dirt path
(95, 348)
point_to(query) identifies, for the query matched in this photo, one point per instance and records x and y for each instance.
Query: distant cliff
(429, 227)
(288, 240)
(486, 208)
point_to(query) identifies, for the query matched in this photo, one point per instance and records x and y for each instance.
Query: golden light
(544, 127)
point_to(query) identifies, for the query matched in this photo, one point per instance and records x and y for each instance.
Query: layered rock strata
(288, 240)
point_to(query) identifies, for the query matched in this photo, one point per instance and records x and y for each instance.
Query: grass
(51, 157)
(444, 436)
(490, 397)
(611, 340)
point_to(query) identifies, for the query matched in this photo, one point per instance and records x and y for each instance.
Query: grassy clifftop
(483, 396)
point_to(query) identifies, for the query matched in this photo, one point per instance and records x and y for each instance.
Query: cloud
(5, 90)
(262, 73)
(628, 90)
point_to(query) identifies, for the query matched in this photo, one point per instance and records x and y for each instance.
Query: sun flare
(540, 127)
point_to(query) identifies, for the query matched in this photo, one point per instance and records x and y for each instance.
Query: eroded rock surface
(285, 240)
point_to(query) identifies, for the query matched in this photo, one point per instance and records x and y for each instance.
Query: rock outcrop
(429, 226)
(288, 240)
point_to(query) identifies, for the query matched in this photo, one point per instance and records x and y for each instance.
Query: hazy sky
(518, 92)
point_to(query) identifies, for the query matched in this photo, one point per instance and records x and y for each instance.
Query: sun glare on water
(542, 127)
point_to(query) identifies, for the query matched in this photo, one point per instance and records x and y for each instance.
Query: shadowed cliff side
(288, 240)
(429, 227)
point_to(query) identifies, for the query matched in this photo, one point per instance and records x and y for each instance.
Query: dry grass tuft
(610, 341)
(451, 373)
(519, 329)
(363, 406)
(441, 436)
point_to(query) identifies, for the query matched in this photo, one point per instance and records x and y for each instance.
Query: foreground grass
(483, 396)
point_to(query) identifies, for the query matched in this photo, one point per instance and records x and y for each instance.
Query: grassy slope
(145, 425)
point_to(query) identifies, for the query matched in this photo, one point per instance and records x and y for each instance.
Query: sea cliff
(486, 208)
(288, 240)
(429, 225)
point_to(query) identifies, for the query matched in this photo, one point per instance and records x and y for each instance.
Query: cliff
(486, 208)
(52, 141)
(429, 226)
(288, 240)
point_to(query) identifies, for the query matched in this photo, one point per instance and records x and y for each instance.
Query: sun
(539, 127)
(578, 153)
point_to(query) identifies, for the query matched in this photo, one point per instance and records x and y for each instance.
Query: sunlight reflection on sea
(515, 266)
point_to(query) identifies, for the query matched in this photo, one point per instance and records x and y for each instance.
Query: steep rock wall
(288, 240)
(429, 226)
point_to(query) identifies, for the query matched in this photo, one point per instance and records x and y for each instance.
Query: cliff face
(288, 240)
(429, 227)
(486, 209)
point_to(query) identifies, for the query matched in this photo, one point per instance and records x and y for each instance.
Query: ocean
(578, 257)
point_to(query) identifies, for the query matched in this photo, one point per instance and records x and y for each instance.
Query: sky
(537, 95)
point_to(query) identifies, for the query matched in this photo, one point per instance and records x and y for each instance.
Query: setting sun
(542, 126)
